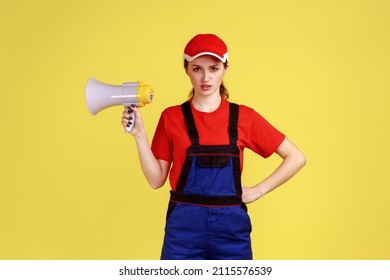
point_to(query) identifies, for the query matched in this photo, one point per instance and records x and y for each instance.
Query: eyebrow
(214, 65)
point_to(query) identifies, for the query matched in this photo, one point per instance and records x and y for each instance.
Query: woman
(200, 145)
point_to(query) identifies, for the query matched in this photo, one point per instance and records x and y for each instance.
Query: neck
(206, 104)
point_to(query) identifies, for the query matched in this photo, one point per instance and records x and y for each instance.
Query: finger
(124, 121)
(133, 108)
(127, 115)
(127, 111)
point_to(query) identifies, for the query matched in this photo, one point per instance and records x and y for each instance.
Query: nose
(206, 76)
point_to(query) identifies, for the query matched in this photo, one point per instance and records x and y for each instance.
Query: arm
(155, 170)
(293, 161)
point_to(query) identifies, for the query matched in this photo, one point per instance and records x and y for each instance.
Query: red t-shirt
(171, 139)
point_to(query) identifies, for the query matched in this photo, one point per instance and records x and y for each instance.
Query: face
(206, 74)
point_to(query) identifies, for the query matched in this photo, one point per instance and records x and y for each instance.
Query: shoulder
(172, 109)
(246, 112)
(249, 118)
(171, 112)
(171, 117)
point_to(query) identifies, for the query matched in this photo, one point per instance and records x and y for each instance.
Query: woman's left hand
(250, 194)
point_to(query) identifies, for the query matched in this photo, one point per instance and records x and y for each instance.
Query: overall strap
(233, 123)
(189, 118)
(193, 132)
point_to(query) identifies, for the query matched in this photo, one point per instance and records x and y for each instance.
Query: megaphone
(101, 96)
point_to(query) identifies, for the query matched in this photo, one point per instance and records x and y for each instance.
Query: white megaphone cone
(100, 96)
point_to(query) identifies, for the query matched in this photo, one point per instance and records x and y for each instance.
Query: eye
(196, 69)
(214, 68)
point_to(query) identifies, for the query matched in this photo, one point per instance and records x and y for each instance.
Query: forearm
(293, 161)
(151, 167)
(155, 171)
(285, 171)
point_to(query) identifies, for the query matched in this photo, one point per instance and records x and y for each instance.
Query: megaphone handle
(131, 124)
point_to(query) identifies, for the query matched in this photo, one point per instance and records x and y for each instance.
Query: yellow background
(71, 185)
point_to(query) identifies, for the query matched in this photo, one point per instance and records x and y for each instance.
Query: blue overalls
(206, 218)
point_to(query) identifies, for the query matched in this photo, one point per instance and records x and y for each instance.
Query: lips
(205, 87)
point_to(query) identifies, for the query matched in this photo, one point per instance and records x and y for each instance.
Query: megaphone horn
(100, 96)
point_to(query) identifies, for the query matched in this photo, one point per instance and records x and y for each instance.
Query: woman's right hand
(128, 119)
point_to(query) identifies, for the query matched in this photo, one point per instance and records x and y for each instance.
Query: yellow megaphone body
(100, 96)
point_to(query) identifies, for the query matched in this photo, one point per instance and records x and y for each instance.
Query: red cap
(206, 44)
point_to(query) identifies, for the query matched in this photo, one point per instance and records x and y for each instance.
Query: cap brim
(191, 58)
